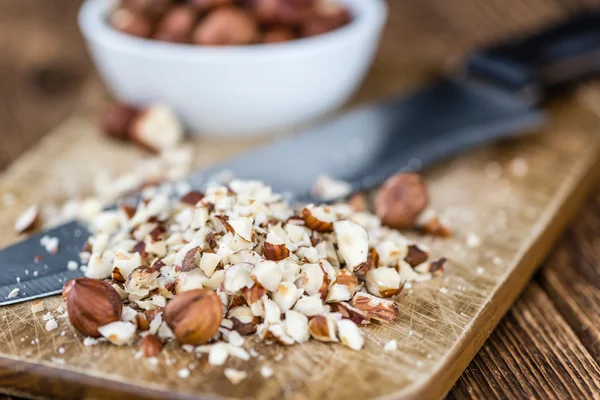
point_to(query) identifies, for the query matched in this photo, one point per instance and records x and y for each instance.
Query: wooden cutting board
(515, 197)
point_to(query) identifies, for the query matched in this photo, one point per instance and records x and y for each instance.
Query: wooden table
(547, 343)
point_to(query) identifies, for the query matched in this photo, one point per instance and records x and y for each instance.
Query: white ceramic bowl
(241, 90)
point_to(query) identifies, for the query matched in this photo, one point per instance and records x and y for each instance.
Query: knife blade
(494, 98)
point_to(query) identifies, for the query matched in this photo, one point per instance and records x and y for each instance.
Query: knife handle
(555, 57)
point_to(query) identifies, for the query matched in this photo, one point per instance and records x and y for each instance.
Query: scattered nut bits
(326, 188)
(50, 243)
(206, 268)
(228, 22)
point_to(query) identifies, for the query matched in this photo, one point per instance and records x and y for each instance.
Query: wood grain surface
(46, 75)
(441, 324)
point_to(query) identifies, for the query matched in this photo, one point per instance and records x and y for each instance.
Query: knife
(492, 96)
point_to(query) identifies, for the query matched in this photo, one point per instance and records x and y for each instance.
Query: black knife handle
(559, 56)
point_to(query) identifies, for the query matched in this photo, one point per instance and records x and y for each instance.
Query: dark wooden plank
(532, 354)
(572, 277)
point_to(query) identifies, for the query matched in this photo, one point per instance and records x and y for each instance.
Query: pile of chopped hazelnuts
(228, 22)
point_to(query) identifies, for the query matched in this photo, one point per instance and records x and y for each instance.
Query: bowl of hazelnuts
(234, 68)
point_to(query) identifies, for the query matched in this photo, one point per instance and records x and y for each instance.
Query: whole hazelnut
(177, 24)
(326, 16)
(117, 119)
(282, 11)
(153, 8)
(131, 22)
(204, 5)
(400, 200)
(226, 26)
(278, 34)
(194, 316)
(91, 304)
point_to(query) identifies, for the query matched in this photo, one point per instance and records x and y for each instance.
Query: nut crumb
(518, 167)
(51, 325)
(183, 373)
(266, 371)
(473, 240)
(13, 293)
(72, 265)
(391, 346)
(443, 290)
(50, 244)
(37, 306)
(326, 188)
(235, 376)
(90, 341)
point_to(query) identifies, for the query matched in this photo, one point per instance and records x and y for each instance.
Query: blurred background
(46, 73)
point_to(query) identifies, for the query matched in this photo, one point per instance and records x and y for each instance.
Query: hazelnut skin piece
(400, 200)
